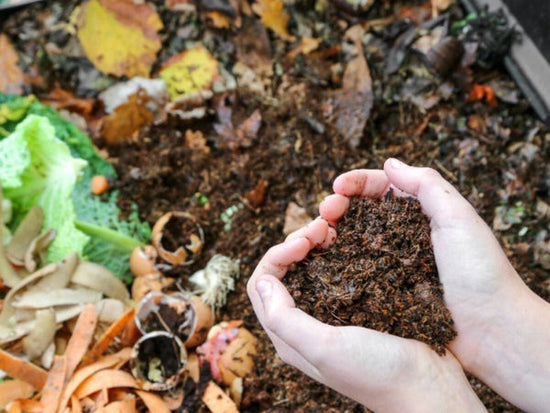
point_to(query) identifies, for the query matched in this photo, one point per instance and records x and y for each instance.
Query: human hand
(384, 372)
(503, 328)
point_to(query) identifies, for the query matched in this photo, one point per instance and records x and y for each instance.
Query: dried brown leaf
(127, 119)
(274, 17)
(353, 102)
(11, 75)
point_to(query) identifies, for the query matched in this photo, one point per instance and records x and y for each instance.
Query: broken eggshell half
(143, 261)
(186, 316)
(229, 349)
(178, 238)
(147, 283)
(157, 361)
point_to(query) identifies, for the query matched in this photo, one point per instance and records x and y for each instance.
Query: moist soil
(380, 273)
(496, 155)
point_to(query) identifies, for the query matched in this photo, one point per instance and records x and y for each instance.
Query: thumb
(441, 202)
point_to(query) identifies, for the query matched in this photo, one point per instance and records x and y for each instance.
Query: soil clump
(380, 273)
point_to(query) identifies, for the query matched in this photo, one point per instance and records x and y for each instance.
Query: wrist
(435, 384)
(514, 357)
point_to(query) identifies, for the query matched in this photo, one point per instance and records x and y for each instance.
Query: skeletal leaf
(120, 37)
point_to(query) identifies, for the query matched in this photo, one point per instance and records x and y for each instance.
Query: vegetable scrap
(238, 114)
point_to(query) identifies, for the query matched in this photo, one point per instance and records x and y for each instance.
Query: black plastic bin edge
(526, 64)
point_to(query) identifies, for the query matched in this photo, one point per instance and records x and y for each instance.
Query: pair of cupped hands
(503, 327)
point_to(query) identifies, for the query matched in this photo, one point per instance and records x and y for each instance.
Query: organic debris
(273, 17)
(279, 80)
(12, 78)
(120, 37)
(380, 273)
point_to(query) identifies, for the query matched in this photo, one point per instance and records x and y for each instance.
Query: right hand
(503, 327)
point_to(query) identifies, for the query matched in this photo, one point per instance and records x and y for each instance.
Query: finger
(440, 200)
(369, 183)
(329, 240)
(304, 334)
(316, 232)
(333, 207)
(287, 353)
(278, 258)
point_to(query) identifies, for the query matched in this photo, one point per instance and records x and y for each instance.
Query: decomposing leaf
(119, 93)
(306, 46)
(295, 218)
(353, 102)
(195, 140)
(120, 37)
(62, 99)
(126, 120)
(257, 194)
(236, 137)
(11, 75)
(189, 72)
(218, 20)
(274, 17)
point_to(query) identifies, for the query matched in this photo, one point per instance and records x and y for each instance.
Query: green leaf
(46, 178)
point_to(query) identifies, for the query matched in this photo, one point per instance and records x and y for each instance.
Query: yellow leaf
(189, 72)
(120, 37)
(11, 76)
(273, 16)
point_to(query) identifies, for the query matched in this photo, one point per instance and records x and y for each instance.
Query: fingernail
(396, 163)
(264, 289)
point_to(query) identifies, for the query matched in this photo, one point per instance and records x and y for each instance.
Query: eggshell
(183, 254)
(142, 261)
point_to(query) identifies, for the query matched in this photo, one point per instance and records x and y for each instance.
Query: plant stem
(122, 241)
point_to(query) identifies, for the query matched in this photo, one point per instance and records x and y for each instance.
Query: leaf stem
(122, 241)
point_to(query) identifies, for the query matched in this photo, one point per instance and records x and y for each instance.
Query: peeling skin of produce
(23, 236)
(8, 333)
(96, 277)
(7, 273)
(59, 278)
(65, 296)
(8, 312)
(37, 248)
(41, 336)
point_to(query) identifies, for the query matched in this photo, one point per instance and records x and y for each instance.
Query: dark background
(534, 16)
